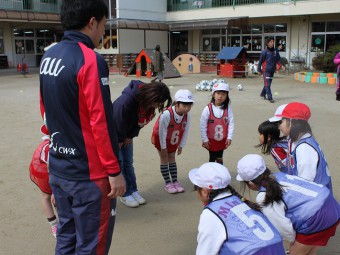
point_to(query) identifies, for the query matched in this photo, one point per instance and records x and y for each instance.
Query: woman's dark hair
(297, 128)
(154, 93)
(274, 190)
(76, 14)
(225, 103)
(157, 48)
(271, 135)
(213, 193)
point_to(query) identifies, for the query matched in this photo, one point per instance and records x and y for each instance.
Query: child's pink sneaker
(54, 230)
(178, 187)
(170, 188)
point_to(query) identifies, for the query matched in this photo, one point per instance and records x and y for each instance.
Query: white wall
(154, 38)
(133, 41)
(130, 40)
(8, 43)
(196, 41)
(142, 9)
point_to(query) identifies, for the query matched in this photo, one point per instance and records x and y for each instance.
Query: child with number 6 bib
(217, 123)
(229, 224)
(170, 134)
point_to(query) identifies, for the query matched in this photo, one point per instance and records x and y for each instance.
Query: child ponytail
(274, 190)
(251, 204)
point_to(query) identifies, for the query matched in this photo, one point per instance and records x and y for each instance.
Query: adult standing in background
(75, 96)
(270, 61)
(158, 66)
(337, 62)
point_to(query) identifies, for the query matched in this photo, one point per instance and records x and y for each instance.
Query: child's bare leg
(301, 249)
(46, 202)
(314, 251)
(47, 205)
(171, 157)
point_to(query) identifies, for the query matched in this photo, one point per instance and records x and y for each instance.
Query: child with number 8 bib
(217, 123)
(170, 134)
(305, 213)
(229, 224)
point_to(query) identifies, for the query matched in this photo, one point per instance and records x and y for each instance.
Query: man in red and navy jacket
(75, 96)
(269, 63)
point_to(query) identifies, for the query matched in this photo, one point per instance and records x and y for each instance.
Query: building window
(253, 37)
(109, 40)
(44, 38)
(213, 39)
(32, 41)
(324, 35)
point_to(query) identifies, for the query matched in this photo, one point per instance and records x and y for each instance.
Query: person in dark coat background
(158, 64)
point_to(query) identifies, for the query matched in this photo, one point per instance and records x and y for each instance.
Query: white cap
(210, 176)
(49, 46)
(250, 167)
(277, 115)
(220, 86)
(184, 95)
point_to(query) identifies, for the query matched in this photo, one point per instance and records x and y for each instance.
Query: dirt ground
(167, 224)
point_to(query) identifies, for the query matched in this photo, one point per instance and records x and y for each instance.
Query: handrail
(205, 4)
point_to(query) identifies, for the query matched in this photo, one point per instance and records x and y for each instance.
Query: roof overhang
(203, 24)
(6, 15)
(137, 24)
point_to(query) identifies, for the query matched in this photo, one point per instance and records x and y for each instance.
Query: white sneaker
(137, 196)
(129, 201)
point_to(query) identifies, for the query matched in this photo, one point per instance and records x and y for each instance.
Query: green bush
(324, 61)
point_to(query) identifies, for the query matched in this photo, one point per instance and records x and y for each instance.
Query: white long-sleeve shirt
(276, 214)
(307, 159)
(211, 231)
(218, 112)
(164, 123)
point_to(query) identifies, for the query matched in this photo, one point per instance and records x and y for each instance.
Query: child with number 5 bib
(305, 213)
(229, 224)
(170, 134)
(217, 123)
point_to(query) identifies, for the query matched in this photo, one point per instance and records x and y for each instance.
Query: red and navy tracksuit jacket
(268, 60)
(77, 101)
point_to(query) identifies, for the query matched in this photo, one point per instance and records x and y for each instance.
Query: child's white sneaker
(129, 201)
(137, 196)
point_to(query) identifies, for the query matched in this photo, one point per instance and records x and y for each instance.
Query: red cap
(297, 111)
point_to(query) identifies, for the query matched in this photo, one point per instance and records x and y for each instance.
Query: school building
(301, 28)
